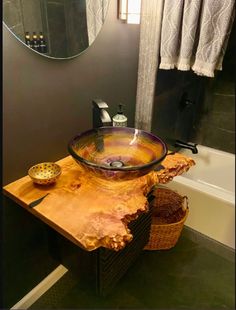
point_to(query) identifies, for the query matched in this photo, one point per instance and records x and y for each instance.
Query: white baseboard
(41, 288)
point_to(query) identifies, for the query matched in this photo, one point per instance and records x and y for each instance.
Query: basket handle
(185, 203)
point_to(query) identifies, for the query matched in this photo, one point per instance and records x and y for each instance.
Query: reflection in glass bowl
(117, 153)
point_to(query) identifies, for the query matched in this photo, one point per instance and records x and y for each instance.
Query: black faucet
(100, 116)
(185, 145)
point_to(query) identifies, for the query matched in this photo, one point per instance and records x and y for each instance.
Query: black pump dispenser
(120, 120)
(120, 109)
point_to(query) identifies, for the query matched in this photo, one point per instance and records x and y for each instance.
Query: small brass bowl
(45, 173)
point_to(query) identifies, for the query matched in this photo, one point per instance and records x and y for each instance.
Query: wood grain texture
(90, 212)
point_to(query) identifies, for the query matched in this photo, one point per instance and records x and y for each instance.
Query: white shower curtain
(183, 34)
(195, 34)
(95, 12)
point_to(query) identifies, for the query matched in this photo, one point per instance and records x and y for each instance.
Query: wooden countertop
(89, 211)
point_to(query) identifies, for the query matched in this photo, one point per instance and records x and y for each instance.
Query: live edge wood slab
(88, 211)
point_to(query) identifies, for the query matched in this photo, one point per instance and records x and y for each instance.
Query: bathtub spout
(185, 145)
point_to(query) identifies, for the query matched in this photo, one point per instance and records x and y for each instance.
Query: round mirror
(55, 28)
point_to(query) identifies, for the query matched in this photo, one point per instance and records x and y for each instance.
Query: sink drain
(117, 164)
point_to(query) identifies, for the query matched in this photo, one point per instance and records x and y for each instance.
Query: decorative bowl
(45, 173)
(117, 153)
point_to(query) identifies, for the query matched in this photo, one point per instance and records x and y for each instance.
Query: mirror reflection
(55, 28)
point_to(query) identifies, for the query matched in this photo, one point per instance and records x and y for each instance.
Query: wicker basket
(170, 211)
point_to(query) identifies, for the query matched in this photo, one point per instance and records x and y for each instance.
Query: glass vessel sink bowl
(117, 153)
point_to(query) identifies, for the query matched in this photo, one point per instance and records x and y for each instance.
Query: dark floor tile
(188, 276)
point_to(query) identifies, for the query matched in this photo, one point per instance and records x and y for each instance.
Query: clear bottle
(119, 120)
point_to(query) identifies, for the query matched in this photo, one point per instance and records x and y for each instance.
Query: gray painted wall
(45, 103)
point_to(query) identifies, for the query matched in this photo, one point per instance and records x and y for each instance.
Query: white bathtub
(210, 187)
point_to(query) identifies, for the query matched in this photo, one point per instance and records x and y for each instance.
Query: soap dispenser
(119, 120)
